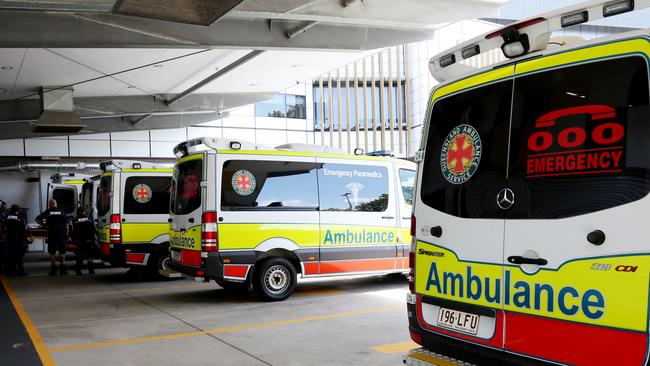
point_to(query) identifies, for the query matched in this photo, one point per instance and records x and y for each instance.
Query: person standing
(16, 241)
(84, 235)
(57, 235)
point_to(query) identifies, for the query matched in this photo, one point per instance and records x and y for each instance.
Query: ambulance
(132, 214)
(531, 196)
(243, 214)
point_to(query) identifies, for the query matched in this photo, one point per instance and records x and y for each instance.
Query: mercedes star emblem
(505, 198)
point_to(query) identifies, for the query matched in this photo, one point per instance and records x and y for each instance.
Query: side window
(580, 139)
(407, 184)
(466, 152)
(147, 195)
(268, 185)
(346, 187)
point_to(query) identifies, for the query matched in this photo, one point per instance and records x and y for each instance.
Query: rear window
(65, 199)
(269, 185)
(147, 195)
(186, 190)
(580, 139)
(104, 195)
(466, 152)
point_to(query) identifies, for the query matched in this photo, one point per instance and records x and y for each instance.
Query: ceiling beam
(97, 30)
(28, 110)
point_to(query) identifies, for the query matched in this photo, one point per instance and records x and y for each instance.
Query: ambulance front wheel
(274, 279)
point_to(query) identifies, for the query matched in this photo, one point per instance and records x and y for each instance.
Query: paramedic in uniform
(16, 241)
(57, 235)
(83, 234)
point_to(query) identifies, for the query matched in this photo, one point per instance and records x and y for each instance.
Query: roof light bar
(447, 60)
(618, 7)
(517, 26)
(574, 19)
(470, 51)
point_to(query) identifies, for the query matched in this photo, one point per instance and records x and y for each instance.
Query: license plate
(176, 256)
(458, 320)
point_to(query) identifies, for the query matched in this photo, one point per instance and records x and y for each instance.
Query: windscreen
(186, 189)
(104, 196)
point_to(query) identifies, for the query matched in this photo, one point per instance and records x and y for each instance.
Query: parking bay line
(400, 347)
(110, 292)
(37, 340)
(228, 329)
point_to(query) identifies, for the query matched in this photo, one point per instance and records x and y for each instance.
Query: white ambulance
(531, 199)
(243, 214)
(132, 213)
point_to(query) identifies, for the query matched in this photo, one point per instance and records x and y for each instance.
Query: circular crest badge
(460, 154)
(142, 193)
(243, 182)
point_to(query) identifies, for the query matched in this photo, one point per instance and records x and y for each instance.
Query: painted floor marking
(400, 347)
(229, 329)
(41, 349)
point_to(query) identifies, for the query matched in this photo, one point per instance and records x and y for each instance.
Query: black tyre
(234, 286)
(274, 279)
(158, 260)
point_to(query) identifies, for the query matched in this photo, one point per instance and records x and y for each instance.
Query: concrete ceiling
(257, 48)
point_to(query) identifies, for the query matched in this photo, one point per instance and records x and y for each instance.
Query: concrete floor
(113, 319)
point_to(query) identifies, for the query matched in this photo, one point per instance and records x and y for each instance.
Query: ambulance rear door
(459, 227)
(66, 197)
(578, 260)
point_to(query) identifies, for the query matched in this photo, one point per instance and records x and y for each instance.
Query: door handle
(436, 231)
(517, 259)
(183, 230)
(191, 219)
(596, 237)
(388, 217)
(406, 218)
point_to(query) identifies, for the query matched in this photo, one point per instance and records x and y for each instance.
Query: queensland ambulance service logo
(460, 154)
(142, 193)
(243, 182)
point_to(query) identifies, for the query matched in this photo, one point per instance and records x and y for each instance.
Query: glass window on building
(283, 106)
(382, 109)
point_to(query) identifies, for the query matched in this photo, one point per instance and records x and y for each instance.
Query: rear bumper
(213, 268)
(129, 255)
(462, 350)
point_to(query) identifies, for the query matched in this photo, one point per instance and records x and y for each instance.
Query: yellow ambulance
(132, 214)
(243, 214)
(531, 197)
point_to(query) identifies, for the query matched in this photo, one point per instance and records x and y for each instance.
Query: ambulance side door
(578, 261)
(405, 175)
(358, 216)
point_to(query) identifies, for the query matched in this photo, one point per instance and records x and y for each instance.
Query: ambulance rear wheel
(274, 279)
